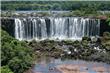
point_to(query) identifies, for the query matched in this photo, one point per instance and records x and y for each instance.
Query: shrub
(86, 38)
(16, 54)
(106, 34)
(76, 43)
(5, 69)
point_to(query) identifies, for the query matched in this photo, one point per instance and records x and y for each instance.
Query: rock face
(8, 25)
(104, 27)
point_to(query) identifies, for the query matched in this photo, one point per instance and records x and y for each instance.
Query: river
(51, 65)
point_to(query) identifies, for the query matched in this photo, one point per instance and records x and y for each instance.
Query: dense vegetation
(96, 49)
(75, 8)
(16, 56)
(54, 5)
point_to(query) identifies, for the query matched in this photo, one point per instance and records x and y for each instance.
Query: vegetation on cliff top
(54, 5)
(76, 8)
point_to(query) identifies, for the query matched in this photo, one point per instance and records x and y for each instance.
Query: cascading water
(55, 28)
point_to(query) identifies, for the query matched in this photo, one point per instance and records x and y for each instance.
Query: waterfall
(40, 28)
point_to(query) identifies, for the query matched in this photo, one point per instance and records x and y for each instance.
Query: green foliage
(16, 54)
(76, 43)
(108, 20)
(106, 40)
(106, 34)
(78, 13)
(54, 5)
(86, 38)
(85, 43)
(5, 69)
(68, 42)
(76, 8)
(19, 65)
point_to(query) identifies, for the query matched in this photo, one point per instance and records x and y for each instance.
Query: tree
(16, 54)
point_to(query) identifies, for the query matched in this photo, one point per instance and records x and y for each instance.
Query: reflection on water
(49, 65)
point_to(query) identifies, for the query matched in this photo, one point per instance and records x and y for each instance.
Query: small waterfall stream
(55, 28)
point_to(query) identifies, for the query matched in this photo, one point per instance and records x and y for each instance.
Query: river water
(49, 65)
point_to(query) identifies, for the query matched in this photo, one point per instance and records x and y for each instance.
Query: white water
(55, 28)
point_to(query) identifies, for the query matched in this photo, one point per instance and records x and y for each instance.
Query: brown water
(50, 65)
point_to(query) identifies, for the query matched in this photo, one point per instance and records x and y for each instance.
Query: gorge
(55, 36)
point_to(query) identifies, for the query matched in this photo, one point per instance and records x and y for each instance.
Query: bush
(19, 65)
(78, 13)
(106, 34)
(108, 20)
(84, 43)
(106, 38)
(5, 69)
(77, 43)
(16, 54)
(67, 42)
(86, 38)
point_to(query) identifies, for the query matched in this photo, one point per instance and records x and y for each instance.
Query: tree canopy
(54, 5)
(16, 56)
